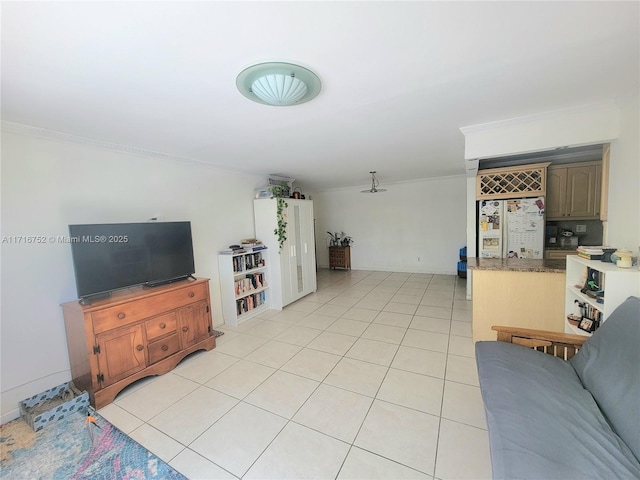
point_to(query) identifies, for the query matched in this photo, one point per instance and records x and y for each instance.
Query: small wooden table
(340, 257)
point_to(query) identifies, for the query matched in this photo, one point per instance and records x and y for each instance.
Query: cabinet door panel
(122, 353)
(598, 192)
(288, 262)
(308, 249)
(292, 254)
(195, 323)
(299, 272)
(297, 279)
(581, 192)
(556, 193)
(558, 254)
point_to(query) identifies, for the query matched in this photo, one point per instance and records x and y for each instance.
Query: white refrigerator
(513, 228)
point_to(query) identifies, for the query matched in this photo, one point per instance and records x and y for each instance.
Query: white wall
(584, 125)
(416, 226)
(48, 184)
(624, 178)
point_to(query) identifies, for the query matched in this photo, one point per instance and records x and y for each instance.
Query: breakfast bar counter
(518, 293)
(517, 265)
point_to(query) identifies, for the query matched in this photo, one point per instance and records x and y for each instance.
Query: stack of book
(246, 246)
(590, 253)
(232, 250)
(252, 245)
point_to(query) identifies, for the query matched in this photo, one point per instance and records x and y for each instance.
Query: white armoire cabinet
(293, 268)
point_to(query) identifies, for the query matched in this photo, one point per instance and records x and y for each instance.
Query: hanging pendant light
(374, 185)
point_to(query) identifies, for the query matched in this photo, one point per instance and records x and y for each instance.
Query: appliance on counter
(513, 228)
(568, 240)
(565, 239)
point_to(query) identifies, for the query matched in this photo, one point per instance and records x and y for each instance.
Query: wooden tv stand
(135, 333)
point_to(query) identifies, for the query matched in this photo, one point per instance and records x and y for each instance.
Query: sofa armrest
(563, 345)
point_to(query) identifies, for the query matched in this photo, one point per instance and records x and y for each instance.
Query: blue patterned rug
(73, 448)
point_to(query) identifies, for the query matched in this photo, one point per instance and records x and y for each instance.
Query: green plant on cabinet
(339, 239)
(281, 230)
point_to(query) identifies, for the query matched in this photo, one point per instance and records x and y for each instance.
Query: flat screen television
(108, 257)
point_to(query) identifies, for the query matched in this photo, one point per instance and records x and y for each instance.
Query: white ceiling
(399, 79)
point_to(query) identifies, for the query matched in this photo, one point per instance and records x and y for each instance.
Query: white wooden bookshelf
(619, 283)
(242, 302)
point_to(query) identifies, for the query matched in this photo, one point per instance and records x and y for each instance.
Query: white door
(288, 258)
(307, 250)
(299, 252)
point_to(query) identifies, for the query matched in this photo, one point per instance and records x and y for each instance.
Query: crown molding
(607, 105)
(387, 184)
(28, 130)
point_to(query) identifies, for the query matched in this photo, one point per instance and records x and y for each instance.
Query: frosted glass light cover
(278, 84)
(278, 89)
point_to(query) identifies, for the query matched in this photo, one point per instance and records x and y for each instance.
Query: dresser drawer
(160, 326)
(130, 312)
(163, 348)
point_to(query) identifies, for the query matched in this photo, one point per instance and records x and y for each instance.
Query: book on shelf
(590, 256)
(246, 304)
(249, 241)
(252, 244)
(244, 249)
(251, 282)
(590, 249)
(590, 252)
(238, 264)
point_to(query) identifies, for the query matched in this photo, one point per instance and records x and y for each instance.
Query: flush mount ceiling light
(374, 185)
(278, 84)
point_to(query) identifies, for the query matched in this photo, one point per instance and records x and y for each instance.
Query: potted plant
(277, 192)
(339, 239)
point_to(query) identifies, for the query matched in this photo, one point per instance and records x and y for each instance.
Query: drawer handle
(163, 325)
(121, 315)
(191, 294)
(165, 348)
(185, 329)
(139, 348)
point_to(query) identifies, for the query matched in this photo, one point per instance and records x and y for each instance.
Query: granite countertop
(517, 265)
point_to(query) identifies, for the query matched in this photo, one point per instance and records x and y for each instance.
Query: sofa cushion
(542, 422)
(608, 365)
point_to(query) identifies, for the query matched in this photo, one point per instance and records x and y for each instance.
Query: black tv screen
(111, 256)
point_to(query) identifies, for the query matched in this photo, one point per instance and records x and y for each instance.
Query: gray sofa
(552, 418)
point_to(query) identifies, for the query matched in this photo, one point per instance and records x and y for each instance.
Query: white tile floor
(372, 376)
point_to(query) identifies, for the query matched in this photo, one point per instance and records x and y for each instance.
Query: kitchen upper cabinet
(574, 191)
(556, 192)
(583, 192)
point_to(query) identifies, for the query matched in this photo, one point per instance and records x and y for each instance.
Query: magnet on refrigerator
(511, 228)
